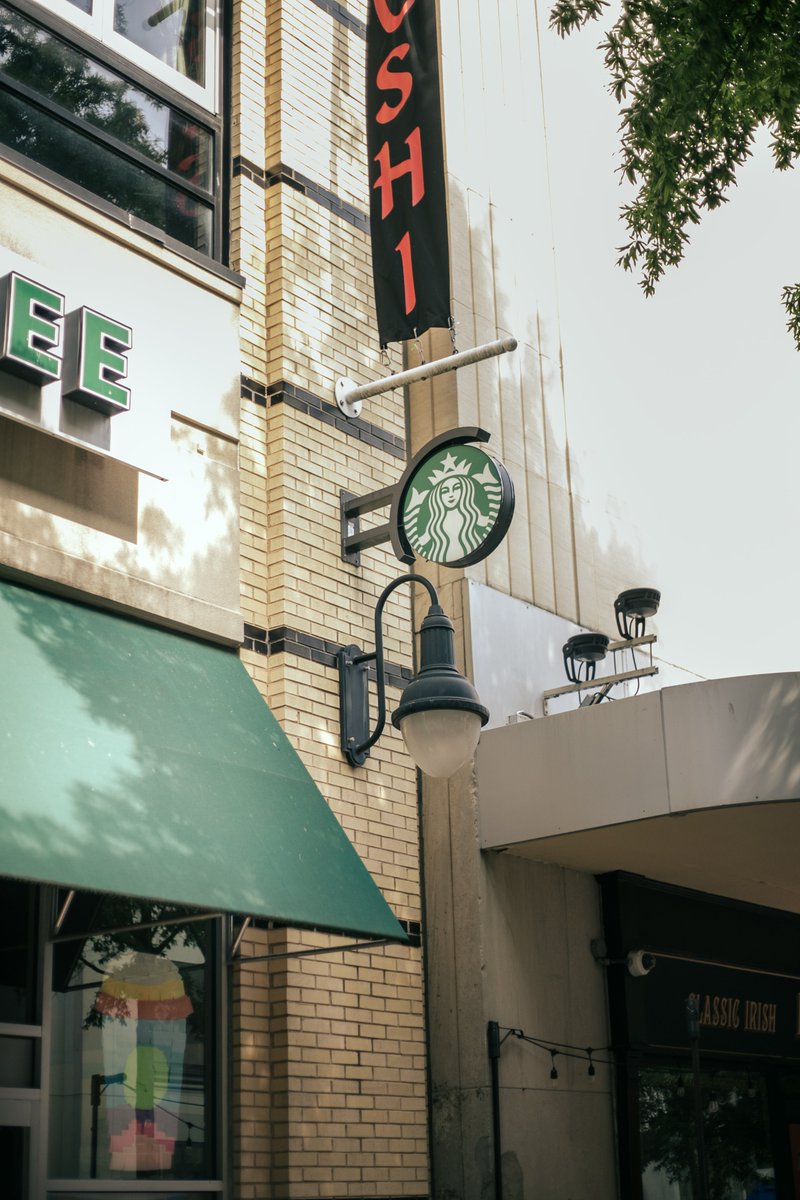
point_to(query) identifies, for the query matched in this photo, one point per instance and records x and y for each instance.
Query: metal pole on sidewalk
(693, 1028)
(493, 1040)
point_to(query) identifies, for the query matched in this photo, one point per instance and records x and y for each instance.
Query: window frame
(215, 197)
(99, 25)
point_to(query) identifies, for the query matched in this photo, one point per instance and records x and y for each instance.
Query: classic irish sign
(741, 1010)
(455, 502)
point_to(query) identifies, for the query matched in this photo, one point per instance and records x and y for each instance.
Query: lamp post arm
(360, 660)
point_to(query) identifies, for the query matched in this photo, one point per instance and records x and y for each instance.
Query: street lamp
(440, 714)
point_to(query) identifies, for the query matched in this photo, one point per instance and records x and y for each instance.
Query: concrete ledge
(700, 746)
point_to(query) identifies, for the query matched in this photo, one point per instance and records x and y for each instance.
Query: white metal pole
(349, 396)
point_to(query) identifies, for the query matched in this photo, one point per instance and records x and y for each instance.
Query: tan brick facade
(329, 1054)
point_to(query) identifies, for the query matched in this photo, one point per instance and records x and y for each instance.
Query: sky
(683, 410)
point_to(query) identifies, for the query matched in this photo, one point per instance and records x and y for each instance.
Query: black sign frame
(464, 435)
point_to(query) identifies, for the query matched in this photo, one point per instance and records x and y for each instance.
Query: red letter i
(403, 247)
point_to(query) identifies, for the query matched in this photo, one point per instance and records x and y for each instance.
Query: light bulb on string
(591, 1071)
(553, 1070)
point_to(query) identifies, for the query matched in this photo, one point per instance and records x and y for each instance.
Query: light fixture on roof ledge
(587, 649)
(583, 651)
(632, 608)
(440, 714)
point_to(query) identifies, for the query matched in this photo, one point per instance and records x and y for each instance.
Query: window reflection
(116, 180)
(173, 31)
(132, 1050)
(87, 89)
(735, 1128)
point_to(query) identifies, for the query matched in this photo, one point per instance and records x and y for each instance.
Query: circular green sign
(456, 506)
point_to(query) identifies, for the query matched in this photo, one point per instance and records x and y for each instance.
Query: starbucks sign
(455, 502)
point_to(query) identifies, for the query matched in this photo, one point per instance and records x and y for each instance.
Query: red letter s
(394, 81)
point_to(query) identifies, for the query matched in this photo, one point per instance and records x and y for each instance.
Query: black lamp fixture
(440, 714)
(632, 608)
(585, 648)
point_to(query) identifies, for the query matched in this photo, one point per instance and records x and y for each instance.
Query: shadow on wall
(85, 656)
(75, 484)
(178, 534)
(567, 552)
(129, 749)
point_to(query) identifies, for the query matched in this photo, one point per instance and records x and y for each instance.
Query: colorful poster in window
(408, 214)
(144, 1006)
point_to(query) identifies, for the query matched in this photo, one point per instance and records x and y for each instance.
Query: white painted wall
(160, 537)
(517, 655)
(662, 453)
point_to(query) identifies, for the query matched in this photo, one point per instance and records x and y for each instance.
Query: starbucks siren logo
(457, 506)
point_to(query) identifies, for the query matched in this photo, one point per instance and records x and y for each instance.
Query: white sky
(683, 410)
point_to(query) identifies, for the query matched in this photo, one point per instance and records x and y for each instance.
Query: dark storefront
(717, 1118)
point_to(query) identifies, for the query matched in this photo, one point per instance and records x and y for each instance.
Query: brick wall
(329, 1051)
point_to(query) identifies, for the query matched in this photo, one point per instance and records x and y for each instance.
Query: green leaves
(571, 14)
(697, 78)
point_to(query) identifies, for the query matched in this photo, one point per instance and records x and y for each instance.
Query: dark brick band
(298, 398)
(340, 14)
(251, 389)
(250, 170)
(280, 173)
(283, 640)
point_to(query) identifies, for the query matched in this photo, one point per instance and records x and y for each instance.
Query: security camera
(640, 963)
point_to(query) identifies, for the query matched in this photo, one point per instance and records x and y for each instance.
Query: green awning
(141, 762)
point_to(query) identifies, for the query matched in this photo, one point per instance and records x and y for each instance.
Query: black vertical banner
(408, 215)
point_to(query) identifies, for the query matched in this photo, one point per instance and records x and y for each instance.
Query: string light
(751, 1088)
(680, 1090)
(565, 1049)
(553, 1071)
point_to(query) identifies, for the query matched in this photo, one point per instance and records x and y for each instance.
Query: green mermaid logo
(452, 505)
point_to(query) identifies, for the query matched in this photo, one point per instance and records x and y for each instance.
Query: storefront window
(133, 1022)
(735, 1132)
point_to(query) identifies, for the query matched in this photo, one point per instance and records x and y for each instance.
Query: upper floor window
(119, 98)
(174, 40)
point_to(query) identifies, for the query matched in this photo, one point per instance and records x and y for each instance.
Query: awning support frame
(374, 945)
(190, 919)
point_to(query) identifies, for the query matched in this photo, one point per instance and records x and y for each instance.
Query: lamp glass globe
(441, 740)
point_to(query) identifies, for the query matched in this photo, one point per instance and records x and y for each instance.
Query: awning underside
(140, 762)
